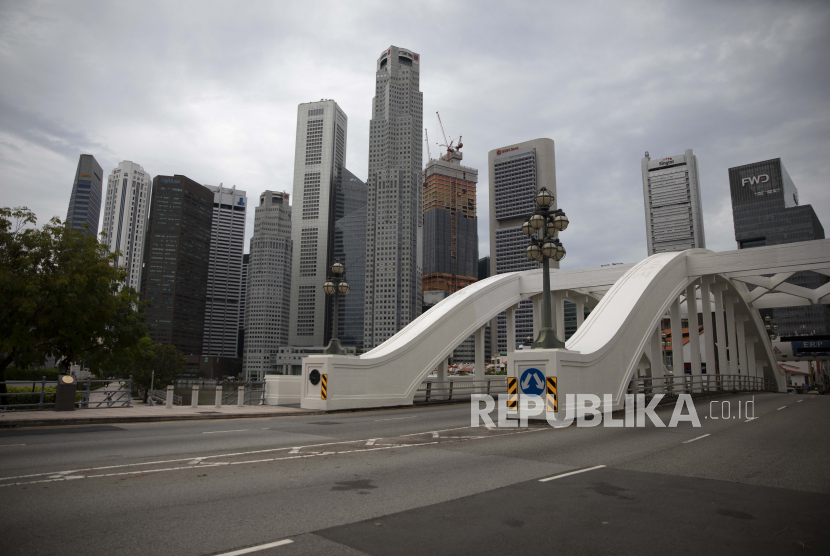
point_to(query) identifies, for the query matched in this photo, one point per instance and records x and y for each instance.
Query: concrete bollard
(218, 396)
(240, 396)
(170, 396)
(194, 396)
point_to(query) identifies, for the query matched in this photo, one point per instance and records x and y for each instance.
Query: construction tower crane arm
(426, 133)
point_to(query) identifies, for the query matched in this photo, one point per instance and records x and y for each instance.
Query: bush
(30, 397)
(13, 373)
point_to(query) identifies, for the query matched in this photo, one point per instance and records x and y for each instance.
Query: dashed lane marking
(570, 473)
(693, 439)
(214, 432)
(782, 407)
(396, 418)
(257, 548)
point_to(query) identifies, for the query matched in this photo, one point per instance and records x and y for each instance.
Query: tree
(61, 295)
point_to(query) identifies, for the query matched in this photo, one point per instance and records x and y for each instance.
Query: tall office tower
(350, 248)
(227, 241)
(126, 211)
(243, 288)
(177, 262)
(85, 201)
(269, 285)
(765, 211)
(517, 173)
(671, 192)
(484, 267)
(394, 223)
(320, 150)
(450, 224)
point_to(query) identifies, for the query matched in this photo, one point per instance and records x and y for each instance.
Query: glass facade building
(176, 262)
(85, 200)
(766, 211)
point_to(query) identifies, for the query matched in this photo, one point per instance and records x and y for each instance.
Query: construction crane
(426, 133)
(448, 144)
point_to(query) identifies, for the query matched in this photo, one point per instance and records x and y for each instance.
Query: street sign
(324, 386)
(552, 404)
(532, 382)
(512, 392)
(314, 377)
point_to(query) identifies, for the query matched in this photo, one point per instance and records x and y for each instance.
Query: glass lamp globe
(549, 249)
(544, 199)
(328, 287)
(551, 230)
(533, 252)
(537, 221)
(527, 228)
(560, 222)
(344, 288)
(560, 253)
(337, 268)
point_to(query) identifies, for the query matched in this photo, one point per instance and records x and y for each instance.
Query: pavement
(422, 480)
(140, 412)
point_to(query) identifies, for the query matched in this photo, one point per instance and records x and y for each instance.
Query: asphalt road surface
(422, 481)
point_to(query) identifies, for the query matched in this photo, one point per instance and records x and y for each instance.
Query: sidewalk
(140, 412)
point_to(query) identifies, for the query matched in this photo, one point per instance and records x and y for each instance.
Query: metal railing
(254, 394)
(161, 397)
(434, 391)
(672, 385)
(89, 397)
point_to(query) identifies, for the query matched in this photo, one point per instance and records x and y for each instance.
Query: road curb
(149, 419)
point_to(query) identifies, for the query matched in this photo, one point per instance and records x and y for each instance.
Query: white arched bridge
(618, 348)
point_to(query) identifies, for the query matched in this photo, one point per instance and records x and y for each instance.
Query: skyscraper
(671, 192)
(394, 222)
(320, 150)
(126, 211)
(765, 211)
(243, 288)
(350, 248)
(177, 261)
(517, 173)
(85, 201)
(227, 241)
(269, 284)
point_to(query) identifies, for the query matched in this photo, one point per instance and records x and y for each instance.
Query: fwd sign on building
(755, 180)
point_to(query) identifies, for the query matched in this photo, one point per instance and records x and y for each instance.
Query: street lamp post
(543, 227)
(772, 328)
(336, 285)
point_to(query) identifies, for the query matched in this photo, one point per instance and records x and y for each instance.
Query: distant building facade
(484, 267)
(267, 307)
(671, 192)
(243, 288)
(227, 242)
(394, 232)
(517, 173)
(177, 262)
(85, 200)
(126, 214)
(450, 224)
(766, 211)
(320, 151)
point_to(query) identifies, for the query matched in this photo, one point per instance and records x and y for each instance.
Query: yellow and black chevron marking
(552, 400)
(512, 392)
(324, 379)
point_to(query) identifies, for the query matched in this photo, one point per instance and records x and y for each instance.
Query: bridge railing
(451, 390)
(673, 385)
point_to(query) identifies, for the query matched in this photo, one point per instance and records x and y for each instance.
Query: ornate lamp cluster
(772, 328)
(336, 285)
(543, 227)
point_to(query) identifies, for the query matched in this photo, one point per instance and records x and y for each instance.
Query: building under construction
(450, 224)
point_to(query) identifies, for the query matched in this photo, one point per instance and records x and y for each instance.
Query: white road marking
(799, 401)
(693, 439)
(214, 432)
(256, 548)
(7, 445)
(435, 434)
(195, 461)
(750, 419)
(396, 418)
(782, 407)
(570, 473)
(295, 450)
(371, 441)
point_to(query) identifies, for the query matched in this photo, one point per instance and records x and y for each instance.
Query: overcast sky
(210, 90)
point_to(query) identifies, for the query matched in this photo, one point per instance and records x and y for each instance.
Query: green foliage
(13, 373)
(29, 396)
(61, 296)
(141, 360)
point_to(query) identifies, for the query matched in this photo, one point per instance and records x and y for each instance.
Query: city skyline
(748, 92)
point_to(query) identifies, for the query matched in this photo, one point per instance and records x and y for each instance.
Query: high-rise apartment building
(126, 211)
(394, 222)
(350, 198)
(450, 224)
(319, 152)
(227, 241)
(765, 211)
(85, 201)
(177, 262)
(517, 173)
(267, 305)
(671, 192)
